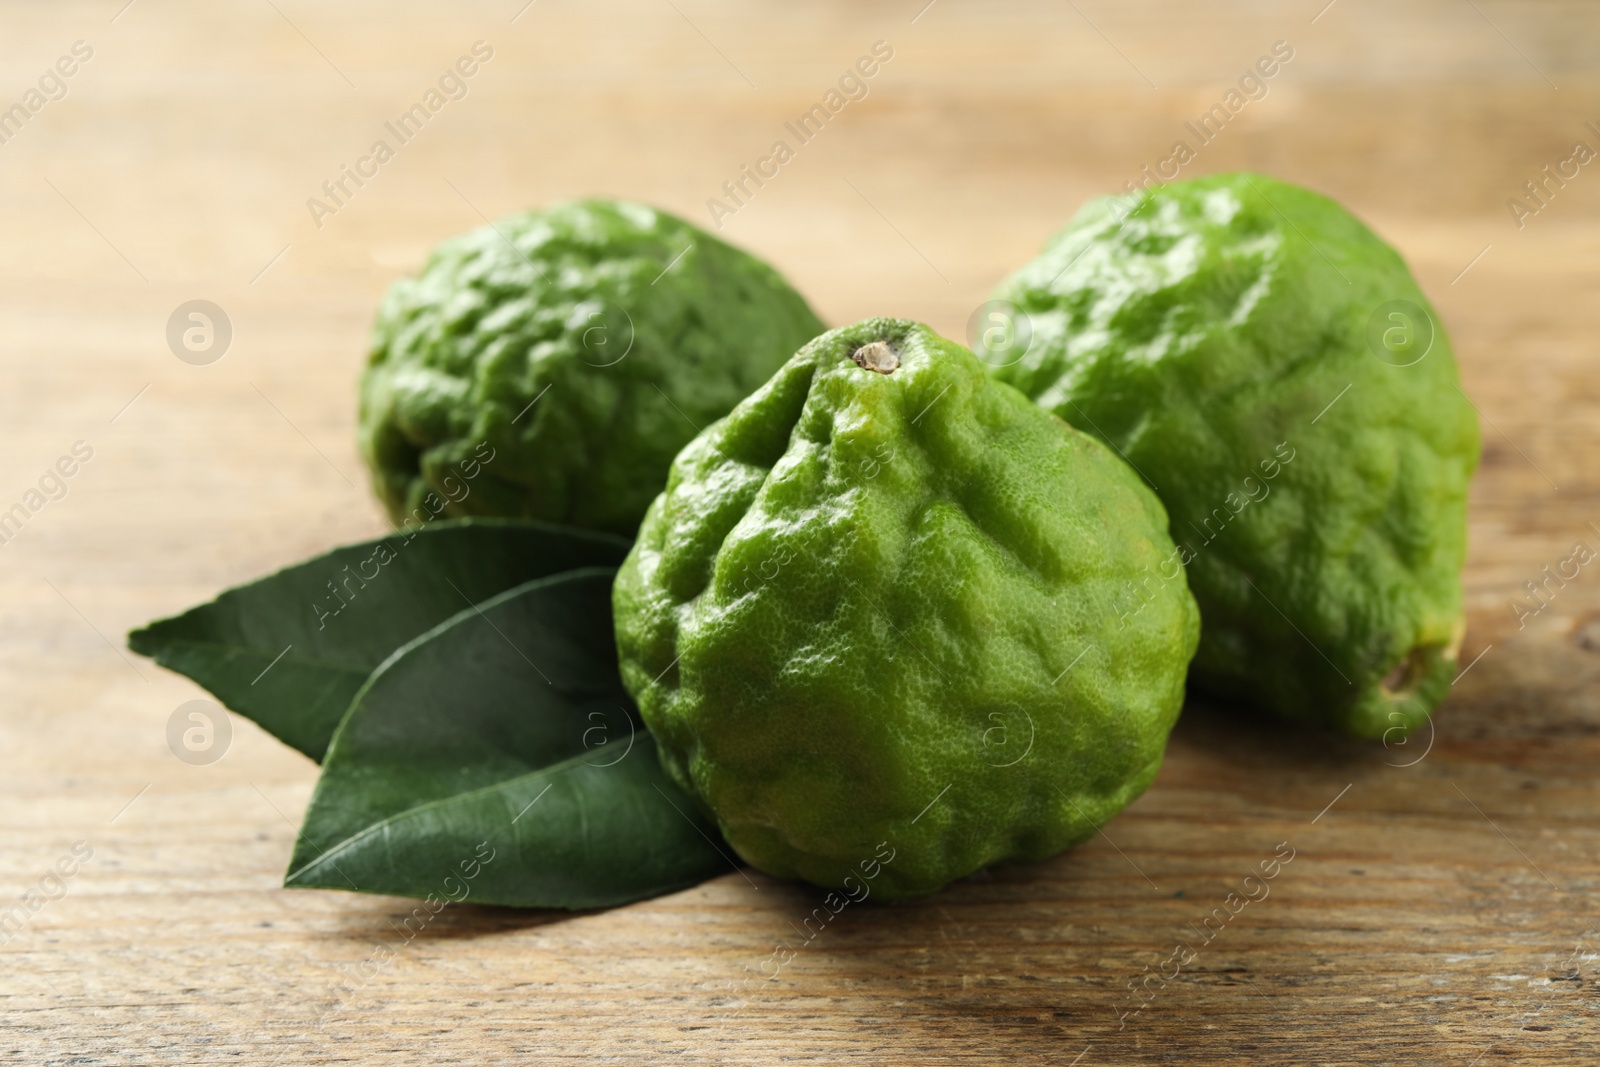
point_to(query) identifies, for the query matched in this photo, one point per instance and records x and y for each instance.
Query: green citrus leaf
(291, 650)
(498, 758)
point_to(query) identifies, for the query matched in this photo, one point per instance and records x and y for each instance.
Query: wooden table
(1437, 913)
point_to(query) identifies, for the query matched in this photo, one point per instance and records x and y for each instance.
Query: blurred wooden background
(1442, 912)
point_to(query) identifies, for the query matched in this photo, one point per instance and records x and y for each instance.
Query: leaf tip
(142, 641)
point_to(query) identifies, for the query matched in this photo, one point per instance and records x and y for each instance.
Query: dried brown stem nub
(876, 356)
(1407, 674)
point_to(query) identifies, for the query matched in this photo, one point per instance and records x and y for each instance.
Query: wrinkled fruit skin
(1205, 337)
(872, 621)
(635, 357)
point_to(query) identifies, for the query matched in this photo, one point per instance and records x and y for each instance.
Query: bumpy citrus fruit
(551, 365)
(1273, 370)
(873, 621)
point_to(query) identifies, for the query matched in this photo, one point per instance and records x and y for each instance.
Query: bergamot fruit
(1271, 367)
(874, 621)
(551, 365)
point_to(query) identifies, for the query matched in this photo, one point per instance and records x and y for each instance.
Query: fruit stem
(876, 356)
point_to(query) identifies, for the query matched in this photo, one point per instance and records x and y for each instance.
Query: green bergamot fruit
(551, 365)
(1269, 365)
(874, 620)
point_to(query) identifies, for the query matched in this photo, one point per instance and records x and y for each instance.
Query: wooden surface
(1442, 912)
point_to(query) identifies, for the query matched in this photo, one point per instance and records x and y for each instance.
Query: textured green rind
(1215, 323)
(550, 300)
(862, 595)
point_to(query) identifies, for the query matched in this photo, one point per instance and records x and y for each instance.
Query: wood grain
(1441, 912)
